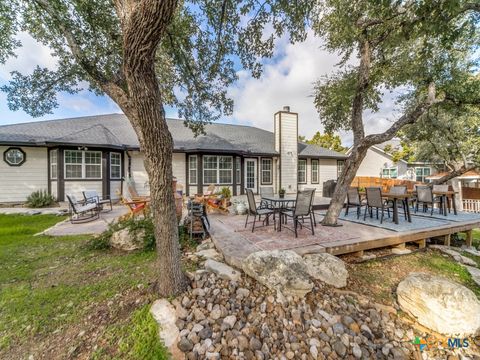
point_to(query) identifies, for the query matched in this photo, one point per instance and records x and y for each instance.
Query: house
(379, 163)
(68, 156)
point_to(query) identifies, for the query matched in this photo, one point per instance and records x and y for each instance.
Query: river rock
(281, 270)
(327, 268)
(439, 304)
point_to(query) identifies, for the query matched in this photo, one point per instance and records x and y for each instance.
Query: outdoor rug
(461, 216)
(418, 222)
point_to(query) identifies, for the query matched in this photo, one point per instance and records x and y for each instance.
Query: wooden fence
(386, 184)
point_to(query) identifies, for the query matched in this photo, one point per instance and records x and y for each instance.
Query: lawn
(60, 299)
(379, 278)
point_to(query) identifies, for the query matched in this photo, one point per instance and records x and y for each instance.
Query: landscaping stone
(471, 250)
(475, 272)
(126, 241)
(439, 304)
(224, 271)
(400, 251)
(327, 268)
(284, 271)
(164, 314)
(455, 254)
(209, 254)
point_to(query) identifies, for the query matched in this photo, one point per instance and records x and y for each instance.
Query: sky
(288, 79)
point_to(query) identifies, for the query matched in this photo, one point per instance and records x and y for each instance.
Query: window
(267, 171)
(83, 164)
(115, 165)
(390, 173)
(192, 169)
(238, 166)
(340, 166)
(421, 173)
(53, 164)
(302, 171)
(315, 171)
(217, 169)
(14, 156)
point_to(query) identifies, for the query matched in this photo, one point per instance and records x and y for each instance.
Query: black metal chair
(313, 200)
(266, 191)
(258, 211)
(302, 210)
(425, 197)
(375, 200)
(443, 188)
(82, 211)
(354, 200)
(92, 196)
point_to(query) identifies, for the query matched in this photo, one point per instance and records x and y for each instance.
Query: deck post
(422, 243)
(447, 240)
(358, 253)
(468, 238)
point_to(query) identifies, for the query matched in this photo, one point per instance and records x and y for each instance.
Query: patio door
(251, 174)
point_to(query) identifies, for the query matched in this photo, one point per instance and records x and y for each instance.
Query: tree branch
(453, 174)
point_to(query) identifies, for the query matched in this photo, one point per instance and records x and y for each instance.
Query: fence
(385, 184)
(471, 205)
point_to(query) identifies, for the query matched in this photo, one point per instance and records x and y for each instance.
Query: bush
(39, 199)
(225, 192)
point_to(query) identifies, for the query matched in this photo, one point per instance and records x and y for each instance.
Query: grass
(379, 278)
(51, 284)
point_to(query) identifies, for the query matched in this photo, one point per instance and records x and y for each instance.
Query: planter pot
(281, 196)
(241, 209)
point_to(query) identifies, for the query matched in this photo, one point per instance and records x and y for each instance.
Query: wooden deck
(235, 242)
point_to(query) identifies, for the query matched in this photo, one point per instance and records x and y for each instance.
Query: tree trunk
(344, 181)
(143, 28)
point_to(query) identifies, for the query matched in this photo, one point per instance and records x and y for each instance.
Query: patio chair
(302, 210)
(92, 196)
(443, 188)
(82, 211)
(353, 199)
(266, 191)
(400, 190)
(133, 191)
(258, 211)
(135, 207)
(375, 200)
(313, 199)
(425, 197)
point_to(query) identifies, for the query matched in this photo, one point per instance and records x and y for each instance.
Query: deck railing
(471, 205)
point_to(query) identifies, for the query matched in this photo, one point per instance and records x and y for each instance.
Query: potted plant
(281, 193)
(226, 195)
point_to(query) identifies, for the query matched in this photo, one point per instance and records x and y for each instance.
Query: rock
(216, 314)
(439, 304)
(327, 268)
(209, 254)
(281, 270)
(475, 272)
(127, 241)
(314, 351)
(255, 344)
(164, 314)
(222, 270)
(185, 345)
(400, 251)
(455, 254)
(205, 246)
(357, 352)
(471, 250)
(229, 322)
(339, 348)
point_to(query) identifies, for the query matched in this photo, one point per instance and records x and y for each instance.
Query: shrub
(40, 198)
(225, 192)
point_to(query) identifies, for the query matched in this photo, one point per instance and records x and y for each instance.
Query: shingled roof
(114, 130)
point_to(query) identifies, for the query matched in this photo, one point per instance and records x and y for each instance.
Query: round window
(14, 156)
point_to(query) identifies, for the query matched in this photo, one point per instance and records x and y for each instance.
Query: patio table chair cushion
(92, 196)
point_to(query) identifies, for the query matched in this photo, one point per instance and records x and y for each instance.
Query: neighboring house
(379, 163)
(68, 156)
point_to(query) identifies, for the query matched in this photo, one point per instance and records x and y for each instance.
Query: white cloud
(29, 55)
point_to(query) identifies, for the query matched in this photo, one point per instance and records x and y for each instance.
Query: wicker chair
(257, 211)
(375, 200)
(302, 210)
(353, 199)
(425, 197)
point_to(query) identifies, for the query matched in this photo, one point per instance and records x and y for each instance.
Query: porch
(236, 242)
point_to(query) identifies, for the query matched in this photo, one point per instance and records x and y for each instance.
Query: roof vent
(286, 108)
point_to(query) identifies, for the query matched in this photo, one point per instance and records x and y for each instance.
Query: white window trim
(217, 157)
(83, 166)
(53, 163)
(119, 165)
(267, 171)
(238, 169)
(389, 171)
(195, 169)
(304, 171)
(423, 174)
(339, 172)
(317, 171)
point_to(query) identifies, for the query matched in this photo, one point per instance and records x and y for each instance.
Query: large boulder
(439, 304)
(127, 241)
(327, 268)
(281, 270)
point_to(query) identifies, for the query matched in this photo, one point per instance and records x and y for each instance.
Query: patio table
(279, 203)
(446, 195)
(395, 198)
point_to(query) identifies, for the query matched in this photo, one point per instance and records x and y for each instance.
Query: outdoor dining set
(422, 198)
(298, 208)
